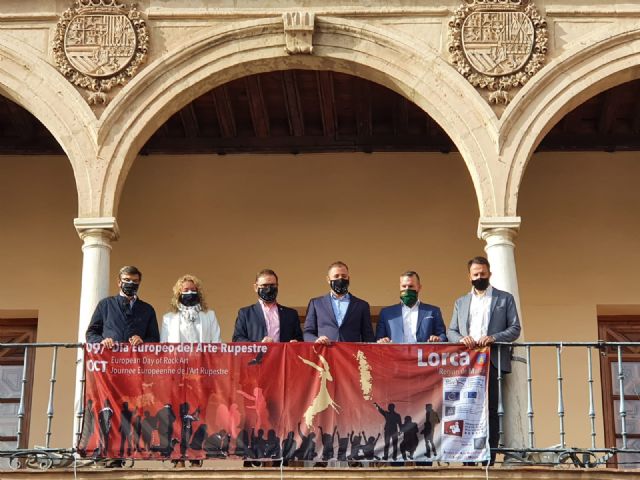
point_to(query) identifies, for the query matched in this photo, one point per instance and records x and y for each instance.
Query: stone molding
(298, 31)
(505, 226)
(101, 227)
(593, 11)
(160, 13)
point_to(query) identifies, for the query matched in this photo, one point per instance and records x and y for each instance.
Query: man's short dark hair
(129, 270)
(264, 272)
(411, 273)
(478, 261)
(337, 264)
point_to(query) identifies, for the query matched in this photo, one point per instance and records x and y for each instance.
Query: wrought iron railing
(584, 456)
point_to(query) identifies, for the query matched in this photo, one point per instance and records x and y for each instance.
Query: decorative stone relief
(497, 44)
(298, 32)
(100, 44)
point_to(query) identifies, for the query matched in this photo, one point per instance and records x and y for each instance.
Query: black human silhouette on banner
(125, 428)
(343, 446)
(88, 427)
(431, 419)
(327, 443)
(410, 440)
(369, 448)
(289, 447)
(258, 443)
(356, 446)
(242, 445)
(165, 419)
(217, 444)
(186, 431)
(272, 447)
(392, 422)
(137, 431)
(307, 450)
(198, 439)
(104, 423)
(148, 426)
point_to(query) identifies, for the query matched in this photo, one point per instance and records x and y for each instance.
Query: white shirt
(479, 313)
(410, 322)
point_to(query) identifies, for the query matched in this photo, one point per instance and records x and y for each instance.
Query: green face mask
(409, 297)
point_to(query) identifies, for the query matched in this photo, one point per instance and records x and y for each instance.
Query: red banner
(297, 401)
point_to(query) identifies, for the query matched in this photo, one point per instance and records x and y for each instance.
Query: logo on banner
(479, 443)
(454, 428)
(436, 359)
(472, 395)
(481, 359)
(452, 396)
(449, 411)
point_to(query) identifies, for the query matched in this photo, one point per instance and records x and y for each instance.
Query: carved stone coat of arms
(497, 44)
(100, 44)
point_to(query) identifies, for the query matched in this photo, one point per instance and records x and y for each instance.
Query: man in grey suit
(481, 317)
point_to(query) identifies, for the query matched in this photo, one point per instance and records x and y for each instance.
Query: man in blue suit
(410, 321)
(267, 320)
(338, 316)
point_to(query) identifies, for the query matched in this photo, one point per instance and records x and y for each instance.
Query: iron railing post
(560, 395)
(52, 383)
(623, 410)
(22, 407)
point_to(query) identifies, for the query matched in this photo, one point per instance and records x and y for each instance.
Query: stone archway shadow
(611, 59)
(376, 54)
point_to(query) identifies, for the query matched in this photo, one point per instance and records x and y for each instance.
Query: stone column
(97, 235)
(499, 233)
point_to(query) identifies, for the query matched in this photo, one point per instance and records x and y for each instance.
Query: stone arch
(376, 54)
(610, 59)
(34, 84)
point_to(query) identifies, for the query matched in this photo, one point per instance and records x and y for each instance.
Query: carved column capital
(298, 32)
(97, 230)
(504, 228)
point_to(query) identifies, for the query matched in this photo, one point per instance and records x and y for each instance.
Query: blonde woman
(190, 320)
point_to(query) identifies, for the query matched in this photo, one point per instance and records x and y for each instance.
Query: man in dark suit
(267, 320)
(481, 317)
(410, 321)
(124, 317)
(338, 316)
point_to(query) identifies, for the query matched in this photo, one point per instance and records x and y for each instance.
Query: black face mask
(480, 284)
(129, 288)
(189, 299)
(268, 293)
(340, 286)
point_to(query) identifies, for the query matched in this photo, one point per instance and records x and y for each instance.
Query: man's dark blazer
(504, 324)
(356, 325)
(251, 326)
(430, 323)
(113, 318)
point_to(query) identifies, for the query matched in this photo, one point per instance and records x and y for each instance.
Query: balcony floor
(233, 472)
